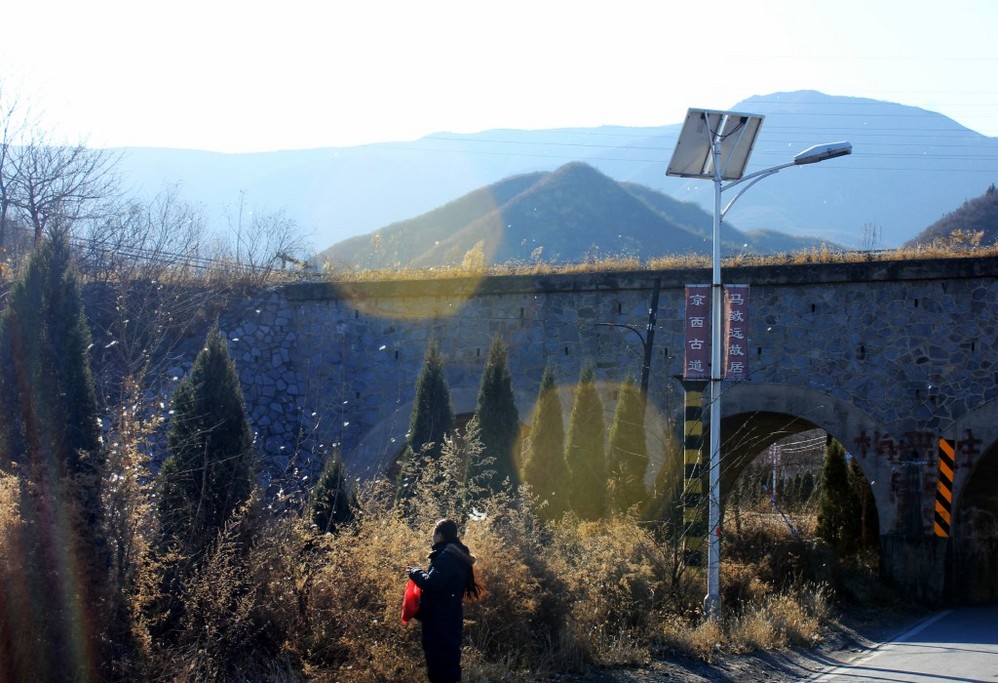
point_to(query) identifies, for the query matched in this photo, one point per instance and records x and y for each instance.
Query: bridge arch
(975, 481)
(755, 416)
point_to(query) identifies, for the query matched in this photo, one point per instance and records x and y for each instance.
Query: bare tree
(146, 240)
(60, 183)
(13, 123)
(271, 240)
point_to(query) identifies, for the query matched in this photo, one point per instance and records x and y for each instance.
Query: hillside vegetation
(570, 215)
(974, 223)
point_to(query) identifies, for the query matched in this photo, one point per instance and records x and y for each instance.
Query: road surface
(955, 645)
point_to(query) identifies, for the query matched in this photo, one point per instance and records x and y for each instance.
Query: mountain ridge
(569, 215)
(910, 166)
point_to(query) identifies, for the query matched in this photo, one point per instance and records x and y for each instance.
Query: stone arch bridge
(885, 356)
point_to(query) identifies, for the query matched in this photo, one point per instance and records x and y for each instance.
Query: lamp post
(716, 145)
(647, 339)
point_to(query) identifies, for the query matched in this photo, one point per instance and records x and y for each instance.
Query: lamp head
(829, 150)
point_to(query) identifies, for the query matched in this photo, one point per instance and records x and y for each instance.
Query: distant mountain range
(910, 166)
(569, 215)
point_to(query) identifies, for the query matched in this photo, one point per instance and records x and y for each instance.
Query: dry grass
(274, 601)
(769, 622)
(957, 246)
(781, 620)
(232, 276)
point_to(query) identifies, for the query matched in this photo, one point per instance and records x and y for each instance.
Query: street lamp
(647, 339)
(716, 145)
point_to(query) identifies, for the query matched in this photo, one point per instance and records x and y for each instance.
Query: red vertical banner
(696, 357)
(736, 298)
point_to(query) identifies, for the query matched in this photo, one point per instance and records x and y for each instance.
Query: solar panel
(736, 133)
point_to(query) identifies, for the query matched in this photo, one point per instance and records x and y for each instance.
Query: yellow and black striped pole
(944, 489)
(694, 528)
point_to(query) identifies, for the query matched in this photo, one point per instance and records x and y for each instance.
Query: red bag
(410, 601)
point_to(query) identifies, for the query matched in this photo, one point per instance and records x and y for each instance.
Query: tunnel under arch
(977, 513)
(973, 554)
(975, 489)
(755, 416)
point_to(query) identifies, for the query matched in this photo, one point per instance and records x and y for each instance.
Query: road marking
(878, 649)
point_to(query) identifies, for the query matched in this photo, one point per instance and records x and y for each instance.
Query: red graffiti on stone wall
(968, 447)
(914, 447)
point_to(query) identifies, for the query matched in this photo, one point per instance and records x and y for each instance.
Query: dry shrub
(48, 629)
(777, 557)
(10, 519)
(287, 603)
(351, 604)
(695, 638)
(16, 627)
(351, 617)
(741, 585)
(520, 621)
(770, 622)
(755, 631)
(781, 620)
(219, 634)
(618, 577)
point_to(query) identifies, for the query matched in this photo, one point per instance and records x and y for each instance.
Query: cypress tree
(585, 450)
(209, 471)
(544, 465)
(331, 502)
(838, 513)
(666, 500)
(498, 419)
(869, 523)
(806, 488)
(49, 426)
(628, 454)
(432, 418)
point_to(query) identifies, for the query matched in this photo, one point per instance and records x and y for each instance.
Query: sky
(251, 76)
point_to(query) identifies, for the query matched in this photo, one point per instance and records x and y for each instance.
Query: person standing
(444, 585)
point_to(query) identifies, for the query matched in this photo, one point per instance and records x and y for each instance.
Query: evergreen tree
(628, 454)
(209, 471)
(544, 465)
(667, 501)
(839, 510)
(49, 426)
(806, 488)
(332, 503)
(869, 523)
(585, 450)
(432, 419)
(498, 419)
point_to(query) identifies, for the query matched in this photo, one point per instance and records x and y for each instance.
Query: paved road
(955, 645)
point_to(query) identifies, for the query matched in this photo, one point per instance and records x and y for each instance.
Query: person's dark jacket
(441, 608)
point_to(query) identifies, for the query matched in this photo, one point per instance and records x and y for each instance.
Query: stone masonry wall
(886, 357)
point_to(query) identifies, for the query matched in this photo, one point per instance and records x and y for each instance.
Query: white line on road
(910, 633)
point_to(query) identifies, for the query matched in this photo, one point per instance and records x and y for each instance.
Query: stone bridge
(886, 357)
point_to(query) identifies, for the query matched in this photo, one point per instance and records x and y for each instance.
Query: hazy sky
(252, 76)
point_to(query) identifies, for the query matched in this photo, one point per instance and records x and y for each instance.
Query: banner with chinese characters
(696, 358)
(736, 341)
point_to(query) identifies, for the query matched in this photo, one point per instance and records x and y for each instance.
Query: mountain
(569, 215)
(978, 215)
(909, 167)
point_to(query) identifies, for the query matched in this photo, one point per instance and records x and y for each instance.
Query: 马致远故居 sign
(736, 346)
